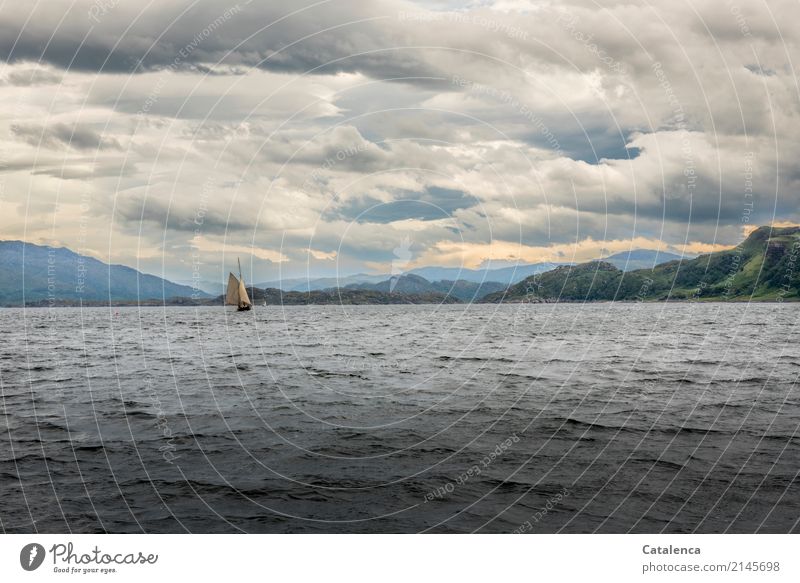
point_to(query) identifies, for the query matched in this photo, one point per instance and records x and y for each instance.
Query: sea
(521, 418)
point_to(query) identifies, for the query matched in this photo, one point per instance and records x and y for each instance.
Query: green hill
(343, 296)
(463, 290)
(763, 267)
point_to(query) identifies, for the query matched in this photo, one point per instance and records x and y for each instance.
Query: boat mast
(241, 280)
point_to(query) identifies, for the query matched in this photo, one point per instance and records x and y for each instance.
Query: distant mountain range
(641, 259)
(463, 290)
(627, 260)
(503, 275)
(342, 296)
(305, 284)
(34, 274)
(763, 267)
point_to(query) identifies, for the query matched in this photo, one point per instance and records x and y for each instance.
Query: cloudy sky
(337, 136)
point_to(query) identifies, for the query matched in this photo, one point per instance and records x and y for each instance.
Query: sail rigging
(243, 298)
(236, 294)
(232, 296)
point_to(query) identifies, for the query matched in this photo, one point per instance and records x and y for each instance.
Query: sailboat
(237, 293)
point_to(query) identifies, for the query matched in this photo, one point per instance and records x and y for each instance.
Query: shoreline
(479, 303)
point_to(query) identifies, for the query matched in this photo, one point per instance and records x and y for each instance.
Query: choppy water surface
(531, 418)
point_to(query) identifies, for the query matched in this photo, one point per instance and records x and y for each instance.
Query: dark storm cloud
(341, 36)
(431, 205)
(619, 169)
(60, 134)
(181, 215)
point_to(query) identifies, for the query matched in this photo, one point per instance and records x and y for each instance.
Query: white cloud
(514, 119)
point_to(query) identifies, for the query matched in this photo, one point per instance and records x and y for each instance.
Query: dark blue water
(526, 418)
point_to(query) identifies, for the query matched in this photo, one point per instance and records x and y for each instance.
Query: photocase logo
(31, 556)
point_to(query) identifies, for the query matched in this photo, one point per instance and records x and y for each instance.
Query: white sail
(232, 296)
(236, 294)
(244, 299)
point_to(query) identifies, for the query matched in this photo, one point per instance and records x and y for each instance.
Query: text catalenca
(670, 550)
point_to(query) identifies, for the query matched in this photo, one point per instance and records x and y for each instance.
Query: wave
(660, 463)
